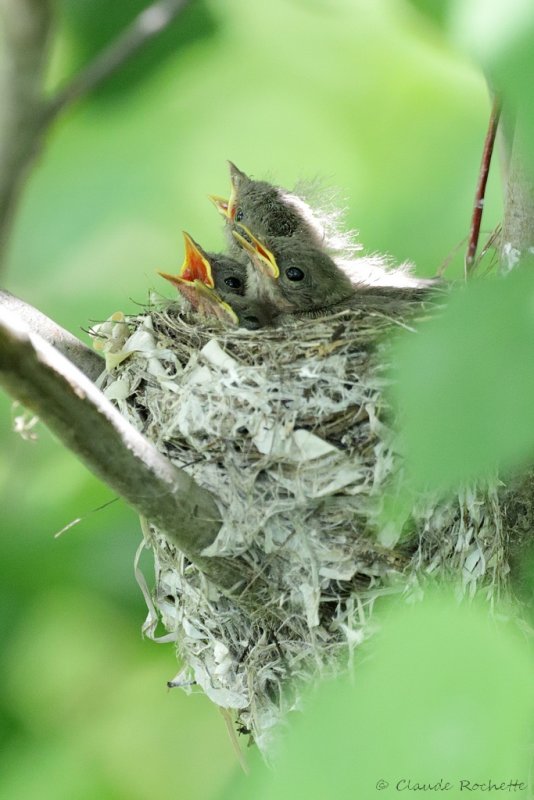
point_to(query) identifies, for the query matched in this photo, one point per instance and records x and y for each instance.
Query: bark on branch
(37, 375)
(89, 362)
(518, 223)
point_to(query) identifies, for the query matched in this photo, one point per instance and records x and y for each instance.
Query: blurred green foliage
(90, 27)
(437, 12)
(504, 46)
(465, 384)
(466, 381)
(369, 95)
(443, 694)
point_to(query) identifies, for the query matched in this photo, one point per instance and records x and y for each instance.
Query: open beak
(228, 207)
(225, 207)
(196, 266)
(261, 256)
(195, 283)
(204, 299)
(221, 205)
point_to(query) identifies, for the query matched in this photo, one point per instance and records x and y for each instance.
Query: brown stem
(480, 193)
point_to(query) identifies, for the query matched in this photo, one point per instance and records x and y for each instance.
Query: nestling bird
(275, 215)
(215, 285)
(304, 281)
(268, 211)
(303, 261)
(295, 277)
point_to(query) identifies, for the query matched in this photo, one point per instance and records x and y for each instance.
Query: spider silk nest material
(290, 429)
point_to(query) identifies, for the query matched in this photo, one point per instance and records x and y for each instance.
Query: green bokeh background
(365, 93)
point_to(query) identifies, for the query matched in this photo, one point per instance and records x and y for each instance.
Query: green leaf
(465, 384)
(491, 28)
(500, 34)
(442, 695)
(436, 12)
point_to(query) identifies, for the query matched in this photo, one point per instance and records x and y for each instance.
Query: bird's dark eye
(233, 283)
(294, 274)
(238, 216)
(252, 323)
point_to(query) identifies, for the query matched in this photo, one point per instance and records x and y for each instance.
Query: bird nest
(291, 430)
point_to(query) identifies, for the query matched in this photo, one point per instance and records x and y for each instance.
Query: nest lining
(290, 429)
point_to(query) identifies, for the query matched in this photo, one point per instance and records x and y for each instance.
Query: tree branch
(82, 356)
(147, 24)
(34, 373)
(25, 113)
(518, 228)
(24, 38)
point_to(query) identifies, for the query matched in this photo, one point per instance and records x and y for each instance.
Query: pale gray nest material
(290, 429)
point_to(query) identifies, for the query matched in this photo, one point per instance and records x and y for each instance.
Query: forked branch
(25, 112)
(145, 26)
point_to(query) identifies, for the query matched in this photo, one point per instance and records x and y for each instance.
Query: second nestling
(286, 262)
(215, 284)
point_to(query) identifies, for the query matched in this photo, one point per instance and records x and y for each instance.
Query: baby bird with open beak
(268, 211)
(299, 266)
(215, 285)
(284, 222)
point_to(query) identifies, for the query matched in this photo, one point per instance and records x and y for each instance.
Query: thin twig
(145, 26)
(449, 257)
(476, 220)
(492, 242)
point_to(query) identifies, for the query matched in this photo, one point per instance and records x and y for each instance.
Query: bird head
(232, 284)
(294, 275)
(263, 208)
(195, 282)
(215, 285)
